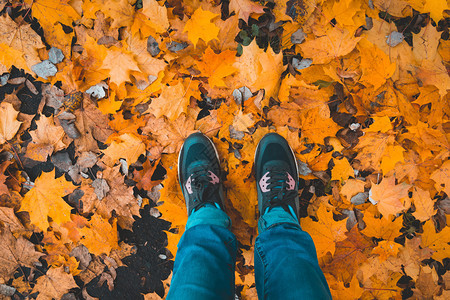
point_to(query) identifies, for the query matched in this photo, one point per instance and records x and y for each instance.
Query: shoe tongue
(278, 165)
(198, 163)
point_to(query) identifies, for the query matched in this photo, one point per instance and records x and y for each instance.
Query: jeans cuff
(276, 216)
(209, 215)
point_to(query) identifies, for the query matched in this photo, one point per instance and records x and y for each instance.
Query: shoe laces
(279, 195)
(202, 189)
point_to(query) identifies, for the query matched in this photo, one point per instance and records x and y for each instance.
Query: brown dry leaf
(14, 253)
(244, 8)
(350, 254)
(8, 219)
(93, 125)
(8, 122)
(46, 139)
(143, 178)
(119, 200)
(54, 284)
(22, 38)
(427, 285)
(170, 135)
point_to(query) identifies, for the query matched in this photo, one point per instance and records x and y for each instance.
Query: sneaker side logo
(188, 185)
(263, 183)
(290, 182)
(214, 178)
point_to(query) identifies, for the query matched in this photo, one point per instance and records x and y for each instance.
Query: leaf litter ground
(98, 97)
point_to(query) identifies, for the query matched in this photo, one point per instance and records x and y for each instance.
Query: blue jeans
(286, 265)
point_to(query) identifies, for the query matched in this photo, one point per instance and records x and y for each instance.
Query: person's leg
(206, 257)
(286, 265)
(204, 264)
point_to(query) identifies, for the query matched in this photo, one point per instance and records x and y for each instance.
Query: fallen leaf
(99, 236)
(8, 122)
(199, 26)
(127, 146)
(338, 42)
(436, 242)
(54, 284)
(15, 252)
(423, 203)
(45, 200)
(217, 66)
(326, 232)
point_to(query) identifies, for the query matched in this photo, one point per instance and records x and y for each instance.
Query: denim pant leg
(286, 265)
(206, 258)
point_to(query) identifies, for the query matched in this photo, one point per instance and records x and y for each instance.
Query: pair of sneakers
(276, 174)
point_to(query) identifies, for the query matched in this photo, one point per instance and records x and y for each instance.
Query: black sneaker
(199, 173)
(276, 175)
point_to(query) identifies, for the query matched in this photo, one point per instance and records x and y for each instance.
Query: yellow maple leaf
(128, 146)
(121, 12)
(99, 236)
(326, 232)
(8, 122)
(259, 70)
(50, 12)
(342, 170)
(157, 15)
(45, 200)
(434, 7)
(382, 228)
(316, 125)
(438, 242)
(243, 121)
(375, 64)
(386, 249)
(217, 66)
(442, 177)
(351, 188)
(119, 62)
(174, 207)
(338, 42)
(11, 57)
(423, 203)
(171, 103)
(390, 198)
(199, 26)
